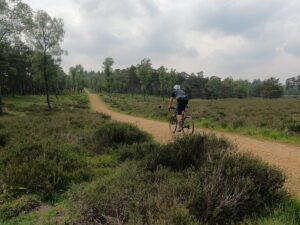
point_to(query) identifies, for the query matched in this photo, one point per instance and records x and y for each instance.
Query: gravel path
(285, 156)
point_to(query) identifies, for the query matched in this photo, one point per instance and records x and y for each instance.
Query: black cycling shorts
(181, 105)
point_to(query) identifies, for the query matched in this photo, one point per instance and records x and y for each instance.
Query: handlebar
(174, 108)
(171, 108)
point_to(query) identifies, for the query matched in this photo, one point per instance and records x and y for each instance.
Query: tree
(241, 88)
(213, 87)
(271, 88)
(194, 85)
(254, 89)
(14, 18)
(45, 37)
(108, 72)
(172, 79)
(143, 72)
(227, 88)
(163, 80)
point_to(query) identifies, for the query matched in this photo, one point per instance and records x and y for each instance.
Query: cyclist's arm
(171, 102)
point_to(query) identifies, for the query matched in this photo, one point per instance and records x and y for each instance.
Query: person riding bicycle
(182, 101)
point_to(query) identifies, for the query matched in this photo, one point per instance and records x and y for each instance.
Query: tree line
(143, 79)
(30, 52)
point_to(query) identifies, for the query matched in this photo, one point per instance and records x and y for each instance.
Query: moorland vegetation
(86, 169)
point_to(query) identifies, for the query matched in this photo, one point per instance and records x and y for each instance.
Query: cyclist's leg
(184, 105)
(179, 111)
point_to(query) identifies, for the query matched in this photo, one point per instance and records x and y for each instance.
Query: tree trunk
(1, 110)
(46, 81)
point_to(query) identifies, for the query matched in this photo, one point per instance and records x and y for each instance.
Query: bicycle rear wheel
(188, 125)
(173, 124)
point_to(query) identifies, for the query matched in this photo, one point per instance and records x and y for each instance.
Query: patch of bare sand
(285, 156)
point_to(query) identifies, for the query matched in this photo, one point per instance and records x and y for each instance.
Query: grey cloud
(293, 48)
(165, 39)
(239, 60)
(230, 17)
(100, 44)
(150, 6)
(127, 9)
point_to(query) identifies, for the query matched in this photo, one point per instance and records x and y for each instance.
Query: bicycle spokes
(188, 125)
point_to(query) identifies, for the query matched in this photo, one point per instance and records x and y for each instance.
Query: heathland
(277, 119)
(73, 166)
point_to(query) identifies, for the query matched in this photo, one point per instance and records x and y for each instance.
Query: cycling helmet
(177, 87)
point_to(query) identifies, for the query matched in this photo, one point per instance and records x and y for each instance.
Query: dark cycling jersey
(182, 100)
(179, 94)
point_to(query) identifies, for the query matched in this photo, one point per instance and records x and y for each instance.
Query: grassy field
(72, 166)
(277, 119)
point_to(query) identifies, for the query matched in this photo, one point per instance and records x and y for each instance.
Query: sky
(244, 39)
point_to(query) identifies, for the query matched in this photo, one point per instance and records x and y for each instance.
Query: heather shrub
(42, 167)
(235, 187)
(111, 134)
(22, 205)
(198, 179)
(131, 195)
(189, 151)
(4, 136)
(136, 151)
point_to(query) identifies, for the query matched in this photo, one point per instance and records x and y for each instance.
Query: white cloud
(241, 38)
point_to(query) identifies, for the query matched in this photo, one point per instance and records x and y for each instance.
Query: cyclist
(182, 101)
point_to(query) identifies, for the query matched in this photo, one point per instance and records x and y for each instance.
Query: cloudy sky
(240, 38)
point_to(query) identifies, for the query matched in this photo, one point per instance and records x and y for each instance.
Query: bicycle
(188, 123)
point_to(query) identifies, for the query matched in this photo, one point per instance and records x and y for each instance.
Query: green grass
(25, 105)
(272, 119)
(286, 213)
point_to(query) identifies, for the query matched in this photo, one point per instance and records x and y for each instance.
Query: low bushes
(3, 137)
(236, 186)
(198, 179)
(111, 134)
(131, 195)
(42, 167)
(19, 206)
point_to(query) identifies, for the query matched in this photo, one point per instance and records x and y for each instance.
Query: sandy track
(285, 156)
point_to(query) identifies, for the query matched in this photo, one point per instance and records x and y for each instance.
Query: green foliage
(195, 180)
(22, 205)
(3, 137)
(35, 104)
(271, 88)
(235, 186)
(191, 151)
(111, 134)
(131, 195)
(198, 179)
(213, 87)
(45, 152)
(286, 212)
(42, 167)
(108, 71)
(143, 72)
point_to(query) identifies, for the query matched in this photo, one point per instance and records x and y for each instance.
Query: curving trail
(285, 156)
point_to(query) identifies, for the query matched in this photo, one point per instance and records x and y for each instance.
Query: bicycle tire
(173, 124)
(188, 125)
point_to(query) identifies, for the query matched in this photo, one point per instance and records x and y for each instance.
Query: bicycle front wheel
(173, 124)
(188, 125)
